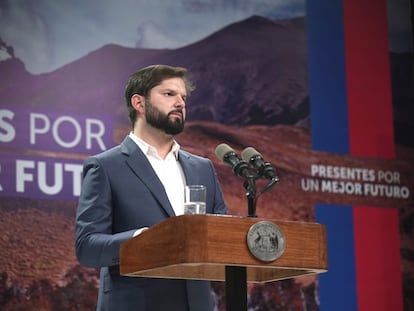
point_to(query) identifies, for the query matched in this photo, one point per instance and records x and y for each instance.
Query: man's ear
(138, 102)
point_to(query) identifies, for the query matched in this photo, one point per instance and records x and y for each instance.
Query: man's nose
(180, 101)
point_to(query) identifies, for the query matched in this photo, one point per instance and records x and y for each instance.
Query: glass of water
(195, 199)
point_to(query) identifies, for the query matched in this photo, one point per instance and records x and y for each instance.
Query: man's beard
(162, 121)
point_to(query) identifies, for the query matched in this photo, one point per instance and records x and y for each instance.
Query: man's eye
(168, 94)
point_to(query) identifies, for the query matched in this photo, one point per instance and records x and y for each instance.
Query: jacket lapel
(188, 167)
(141, 167)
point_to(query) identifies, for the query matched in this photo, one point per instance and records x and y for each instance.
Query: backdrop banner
(322, 89)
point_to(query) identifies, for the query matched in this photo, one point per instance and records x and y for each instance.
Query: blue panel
(338, 286)
(327, 80)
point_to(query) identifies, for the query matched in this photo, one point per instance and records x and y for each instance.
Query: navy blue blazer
(121, 193)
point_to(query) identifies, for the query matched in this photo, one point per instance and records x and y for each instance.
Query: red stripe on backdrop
(378, 260)
(377, 243)
(371, 129)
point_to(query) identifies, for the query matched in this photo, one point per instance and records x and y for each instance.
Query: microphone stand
(237, 287)
(250, 186)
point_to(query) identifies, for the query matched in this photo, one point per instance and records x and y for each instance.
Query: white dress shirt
(168, 170)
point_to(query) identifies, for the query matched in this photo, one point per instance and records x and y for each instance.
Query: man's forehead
(173, 80)
(173, 83)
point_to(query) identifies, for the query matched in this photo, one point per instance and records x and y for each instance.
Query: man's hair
(142, 81)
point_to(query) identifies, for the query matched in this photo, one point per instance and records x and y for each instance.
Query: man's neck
(161, 141)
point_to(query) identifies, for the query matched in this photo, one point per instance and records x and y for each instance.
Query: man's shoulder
(188, 155)
(114, 152)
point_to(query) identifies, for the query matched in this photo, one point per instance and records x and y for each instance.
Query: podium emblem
(265, 241)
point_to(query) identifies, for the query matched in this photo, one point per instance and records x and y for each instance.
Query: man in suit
(136, 185)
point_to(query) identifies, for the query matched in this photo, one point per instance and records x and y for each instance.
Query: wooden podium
(214, 247)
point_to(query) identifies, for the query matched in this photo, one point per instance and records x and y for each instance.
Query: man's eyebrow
(168, 89)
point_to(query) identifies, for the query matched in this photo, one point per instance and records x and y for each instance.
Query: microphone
(225, 153)
(265, 169)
